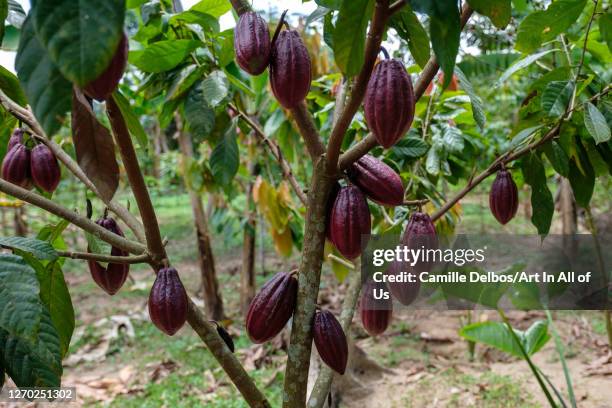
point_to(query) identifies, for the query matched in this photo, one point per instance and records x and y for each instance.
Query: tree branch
(360, 83)
(28, 118)
(427, 75)
(275, 151)
(82, 222)
(322, 385)
(308, 130)
(144, 258)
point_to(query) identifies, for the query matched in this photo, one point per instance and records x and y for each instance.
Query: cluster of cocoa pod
(285, 54)
(273, 306)
(168, 301)
(28, 167)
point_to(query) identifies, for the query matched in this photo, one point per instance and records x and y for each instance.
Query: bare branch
(308, 130)
(144, 258)
(275, 151)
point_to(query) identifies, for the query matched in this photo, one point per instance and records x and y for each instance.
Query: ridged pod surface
(168, 301)
(349, 220)
(111, 278)
(503, 198)
(105, 84)
(420, 233)
(16, 138)
(16, 166)
(289, 69)
(404, 292)
(252, 43)
(272, 307)
(389, 102)
(330, 205)
(377, 181)
(375, 313)
(330, 341)
(44, 168)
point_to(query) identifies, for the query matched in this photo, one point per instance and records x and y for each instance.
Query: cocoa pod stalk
(272, 307)
(330, 340)
(112, 277)
(503, 198)
(350, 221)
(44, 168)
(389, 102)
(168, 301)
(104, 85)
(252, 43)
(377, 181)
(290, 72)
(375, 313)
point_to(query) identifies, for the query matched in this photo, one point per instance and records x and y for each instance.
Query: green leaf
(163, 55)
(200, 117)
(556, 97)
(48, 92)
(39, 249)
(499, 11)
(410, 148)
(453, 139)
(596, 124)
(318, 14)
(477, 108)
(543, 26)
(224, 160)
(432, 163)
(81, 36)
(215, 88)
(215, 8)
(330, 4)
(582, 177)
(55, 296)
(605, 28)
(409, 28)
(541, 197)
(33, 363)
(497, 335)
(9, 84)
(96, 246)
(522, 63)
(205, 20)
(522, 136)
(557, 158)
(350, 33)
(133, 124)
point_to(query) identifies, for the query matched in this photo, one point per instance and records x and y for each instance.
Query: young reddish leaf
(94, 146)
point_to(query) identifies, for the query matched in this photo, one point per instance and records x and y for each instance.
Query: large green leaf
(224, 160)
(409, 28)
(499, 11)
(556, 97)
(581, 176)
(541, 198)
(33, 363)
(557, 158)
(55, 296)
(39, 249)
(522, 63)
(131, 120)
(48, 92)
(9, 84)
(542, 26)
(596, 124)
(20, 308)
(497, 335)
(215, 8)
(163, 55)
(81, 36)
(215, 88)
(410, 148)
(477, 108)
(453, 139)
(605, 28)
(200, 117)
(350, 33)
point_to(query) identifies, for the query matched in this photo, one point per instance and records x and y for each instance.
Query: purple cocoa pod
(112, 277)
(252, 43)
(289, 69)
(375, 313)
(503, 198)
(168, 301)
(16, 138)
(349, 220)
(16, 166)
(377, 181)
(330, 341)
(44, 168)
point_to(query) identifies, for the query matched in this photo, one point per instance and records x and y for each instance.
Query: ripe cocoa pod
(389, 102)
(349, 220)
(44, 168)
(16, 138)
(104, 85)
(272, 307)
(330, 341)
(252, 43)
(112, 277)
(420, 233)
(168, 301)
(16, 166)
(503, 198)
(375, 313)
(377, 181)
(289, 69)
(404, 292)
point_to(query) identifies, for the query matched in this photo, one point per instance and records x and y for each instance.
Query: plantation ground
(119, 358)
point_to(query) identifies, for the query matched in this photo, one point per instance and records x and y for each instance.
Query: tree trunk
(21, 227)
(210, 285)
(247, 288)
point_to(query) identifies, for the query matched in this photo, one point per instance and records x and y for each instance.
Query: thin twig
(411, 203)
(144, 258)
(342, 261)
(275, 151)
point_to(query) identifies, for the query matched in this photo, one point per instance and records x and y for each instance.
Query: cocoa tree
(565, 122)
